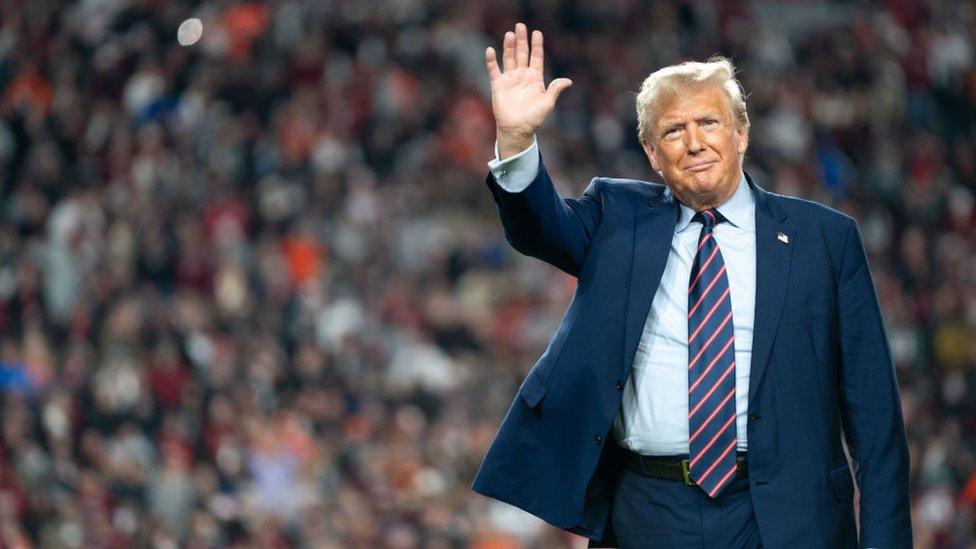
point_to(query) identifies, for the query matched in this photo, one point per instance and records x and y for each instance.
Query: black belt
(674, 467)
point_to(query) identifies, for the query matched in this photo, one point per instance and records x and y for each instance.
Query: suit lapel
(653, 230)
(773, 260)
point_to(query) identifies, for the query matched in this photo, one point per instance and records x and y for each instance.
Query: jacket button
(597, 439)
(620, 385)
(754, 417)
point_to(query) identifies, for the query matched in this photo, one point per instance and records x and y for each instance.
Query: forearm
(541, 224)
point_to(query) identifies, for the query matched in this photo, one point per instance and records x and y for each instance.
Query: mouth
(701, 166)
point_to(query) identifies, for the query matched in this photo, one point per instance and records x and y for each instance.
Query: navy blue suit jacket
(821, 368)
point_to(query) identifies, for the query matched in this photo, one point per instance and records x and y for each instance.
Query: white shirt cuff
(516, 173)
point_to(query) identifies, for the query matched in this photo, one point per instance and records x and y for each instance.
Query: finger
(493, 70)
(508, 51)
(557, 87)
(521, 46)
(535, 59)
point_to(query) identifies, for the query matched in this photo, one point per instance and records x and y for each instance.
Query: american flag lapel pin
(783, 238)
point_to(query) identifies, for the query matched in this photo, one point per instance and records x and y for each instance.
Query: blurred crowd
(254, 292)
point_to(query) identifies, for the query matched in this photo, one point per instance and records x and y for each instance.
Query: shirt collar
(739, 209)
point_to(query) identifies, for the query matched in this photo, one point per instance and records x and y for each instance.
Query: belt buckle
(684, 473)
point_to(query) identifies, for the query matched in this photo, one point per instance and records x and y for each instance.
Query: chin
(705, 184)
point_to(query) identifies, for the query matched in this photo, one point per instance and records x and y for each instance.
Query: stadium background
(254, 292)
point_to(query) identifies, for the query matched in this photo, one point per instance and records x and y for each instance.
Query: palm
(519, 98)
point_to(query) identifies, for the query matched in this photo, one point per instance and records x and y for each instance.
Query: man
(721, 343)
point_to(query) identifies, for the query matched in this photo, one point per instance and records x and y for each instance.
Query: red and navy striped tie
(711, 365)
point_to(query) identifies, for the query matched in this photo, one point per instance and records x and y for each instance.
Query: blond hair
(717, 71)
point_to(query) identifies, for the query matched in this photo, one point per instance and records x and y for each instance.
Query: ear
(743, 138)
(649, 151)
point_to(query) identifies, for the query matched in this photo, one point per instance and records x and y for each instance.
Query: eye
(671, 132)
(710, 123)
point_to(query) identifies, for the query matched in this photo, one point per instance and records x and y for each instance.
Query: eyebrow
(666, 126)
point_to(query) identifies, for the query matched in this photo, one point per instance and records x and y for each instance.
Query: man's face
(697, 146)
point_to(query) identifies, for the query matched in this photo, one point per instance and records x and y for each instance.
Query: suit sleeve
(541, 224)
(871, 406)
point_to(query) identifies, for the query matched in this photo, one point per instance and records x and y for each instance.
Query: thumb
(557, 86)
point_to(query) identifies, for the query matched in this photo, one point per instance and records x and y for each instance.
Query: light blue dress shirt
(653, 417)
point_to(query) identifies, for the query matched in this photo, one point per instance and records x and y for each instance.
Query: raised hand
(519, 97)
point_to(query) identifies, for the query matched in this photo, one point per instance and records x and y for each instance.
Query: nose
(694, 139)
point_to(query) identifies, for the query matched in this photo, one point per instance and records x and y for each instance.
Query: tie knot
(709, 217)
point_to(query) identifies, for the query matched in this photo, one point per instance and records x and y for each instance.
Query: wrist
(511, 143)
